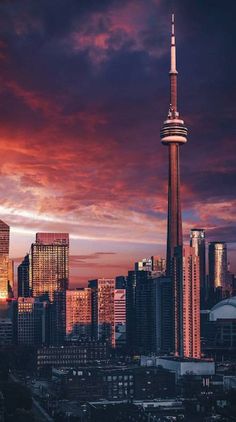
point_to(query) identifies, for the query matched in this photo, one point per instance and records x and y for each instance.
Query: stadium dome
(226, 309)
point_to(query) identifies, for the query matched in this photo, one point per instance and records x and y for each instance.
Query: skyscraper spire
(173, 134)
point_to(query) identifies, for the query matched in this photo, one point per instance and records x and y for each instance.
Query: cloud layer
(84, 91)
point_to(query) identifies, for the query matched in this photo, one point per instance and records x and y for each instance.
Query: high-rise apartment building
(103, 315)
(4, 258)
(197, 241)
(49, 264)
(79, 312)
(217, 260)
(186, 298)
(23, 273)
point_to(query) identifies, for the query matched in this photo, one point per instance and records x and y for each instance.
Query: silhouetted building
(144, 313)
(78, 313)
(6, 332)
(32, 321)
(131, 311)
(197, 241)
(4, 258)
(103, 316)
(23, 273)
(113, 383)
(186, 295)
(163, 315)
(217, 271)
(10, 282)
(69, 356)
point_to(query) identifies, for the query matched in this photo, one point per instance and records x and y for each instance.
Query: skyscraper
(49, 264)
(32, 321)
(49, 275)
(173, 134)
(103, 315)
(197, 241)
(23, 271)
(217, 269)
(4, 258)
(78, 312)
(186, 290)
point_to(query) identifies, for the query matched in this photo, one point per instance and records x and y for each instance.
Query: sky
(83, 94)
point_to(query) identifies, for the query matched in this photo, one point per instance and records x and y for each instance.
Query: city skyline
(116, 171)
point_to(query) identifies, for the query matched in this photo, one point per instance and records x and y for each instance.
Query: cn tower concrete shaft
(174, 228)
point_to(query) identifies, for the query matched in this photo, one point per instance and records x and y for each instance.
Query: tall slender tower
(173, 134)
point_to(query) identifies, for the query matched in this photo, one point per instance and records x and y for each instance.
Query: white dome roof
(226, 309)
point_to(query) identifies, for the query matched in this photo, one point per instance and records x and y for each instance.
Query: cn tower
(173, 134)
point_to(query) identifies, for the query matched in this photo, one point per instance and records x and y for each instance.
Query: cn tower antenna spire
(173, 72)
(173, 46)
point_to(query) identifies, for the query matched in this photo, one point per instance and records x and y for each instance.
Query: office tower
(217, 260)
(49, 264)
(23, 273)
(103, 317)
(78, 313)
(144, 313)
(197, 241)
(49, 275)
(32, 321)
(140, 329)
(173, 134)
(4, 258)
(163, 315)
(130, 311)
(158, 265)
(120, 317)
(186, 291)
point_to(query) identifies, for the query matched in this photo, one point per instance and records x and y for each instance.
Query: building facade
(49, 264)
(186, 295)
(103, 315)
(4, 258)
(197, 241)
(79, 313)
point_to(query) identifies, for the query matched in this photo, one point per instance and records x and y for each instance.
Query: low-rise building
(69, 356)
(181, 366)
